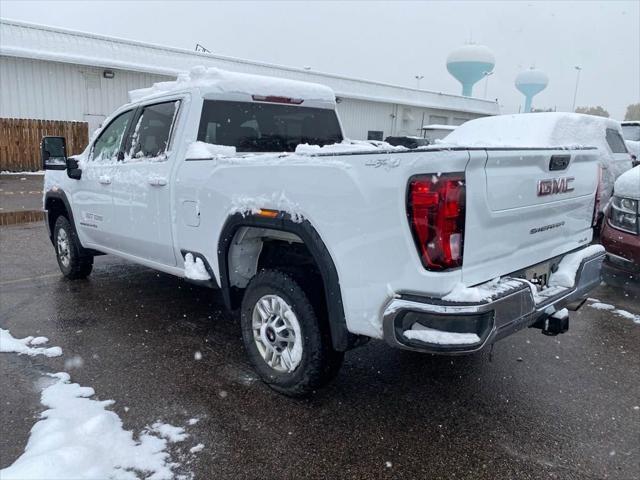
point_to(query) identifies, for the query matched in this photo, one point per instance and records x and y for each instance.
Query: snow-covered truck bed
(247, 184)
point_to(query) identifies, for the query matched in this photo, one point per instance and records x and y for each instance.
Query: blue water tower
(470, 64)
(530, 83)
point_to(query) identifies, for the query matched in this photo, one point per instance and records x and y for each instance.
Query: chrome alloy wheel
(276, 333)
(64, 253)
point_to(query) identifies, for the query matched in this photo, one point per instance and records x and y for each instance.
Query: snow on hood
(628, 184)
(222, 81)
(534, 130)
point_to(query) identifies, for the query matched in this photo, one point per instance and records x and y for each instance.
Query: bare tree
(633, 112)
(599, 111)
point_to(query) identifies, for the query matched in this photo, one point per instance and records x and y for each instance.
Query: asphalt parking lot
(565, 407)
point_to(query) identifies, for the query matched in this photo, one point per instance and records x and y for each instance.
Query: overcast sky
(392, 41)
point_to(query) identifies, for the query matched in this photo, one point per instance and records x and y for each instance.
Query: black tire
(74, 263)
(319, 362)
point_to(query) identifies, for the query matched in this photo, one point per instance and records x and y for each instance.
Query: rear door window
(260, 127)
(151, 136)
(615, 141)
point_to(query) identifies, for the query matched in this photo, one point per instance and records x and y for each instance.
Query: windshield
(260, 127)
(631, 132)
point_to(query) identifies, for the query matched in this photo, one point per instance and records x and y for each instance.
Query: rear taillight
(436, 210)
(596, 206)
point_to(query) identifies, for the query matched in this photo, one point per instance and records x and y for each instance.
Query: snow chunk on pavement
(22, 346)
(171, 433)
(194, 268)
(565, 276)
(202, 151)
(602, 306)
(78, 438)
(198, 448)
(430, 335)
(616, 311)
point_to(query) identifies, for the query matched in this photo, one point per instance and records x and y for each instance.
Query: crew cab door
(92, 193)
(142, 188)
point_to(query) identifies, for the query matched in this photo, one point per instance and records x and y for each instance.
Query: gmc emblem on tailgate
(554, 186)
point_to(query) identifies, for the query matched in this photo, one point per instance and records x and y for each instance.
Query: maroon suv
(620, 233)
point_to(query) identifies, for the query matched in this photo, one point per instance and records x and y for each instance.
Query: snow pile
(430, 335)
(480, 293)
(78, 438)
(194, 268)
(616, 311)
(565, 276)
(204, 151)
(246, 205)
(533, 130)
(347, 146)
(628, 184)
(25, 346)
(222, 81)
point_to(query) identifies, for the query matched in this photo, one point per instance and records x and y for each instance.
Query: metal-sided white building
(54, 74)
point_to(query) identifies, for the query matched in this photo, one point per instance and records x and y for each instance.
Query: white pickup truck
(246, 184)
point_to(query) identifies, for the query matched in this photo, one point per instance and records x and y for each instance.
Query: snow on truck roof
(215, 80)
(534, 130)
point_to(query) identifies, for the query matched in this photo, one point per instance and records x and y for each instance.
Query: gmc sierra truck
(246, 184)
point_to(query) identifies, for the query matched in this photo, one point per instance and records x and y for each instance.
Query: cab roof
(213, 81)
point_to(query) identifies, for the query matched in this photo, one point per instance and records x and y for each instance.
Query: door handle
(157, 181)
(105, 180)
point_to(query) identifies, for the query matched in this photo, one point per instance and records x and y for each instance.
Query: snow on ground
(430, 335)
(24, 346)
(194, 268)
(77, 437)
(565, 276)
(616, 311)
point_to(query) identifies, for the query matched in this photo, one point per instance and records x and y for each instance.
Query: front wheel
(73, 264)
(286, 342)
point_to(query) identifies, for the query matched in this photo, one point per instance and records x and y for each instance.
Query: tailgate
(524, 207)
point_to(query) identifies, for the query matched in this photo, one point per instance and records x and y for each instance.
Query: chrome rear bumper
(514, 309)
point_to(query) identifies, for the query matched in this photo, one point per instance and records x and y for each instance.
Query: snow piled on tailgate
(533, 130)
(222, 81)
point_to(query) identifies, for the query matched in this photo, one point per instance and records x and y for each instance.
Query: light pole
(575, 93)
(418, 78)
(486, 81)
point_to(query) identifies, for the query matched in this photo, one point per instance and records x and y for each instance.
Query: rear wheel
(69, 253)
(288, 345)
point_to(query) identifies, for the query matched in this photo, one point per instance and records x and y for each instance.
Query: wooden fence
(20, 141)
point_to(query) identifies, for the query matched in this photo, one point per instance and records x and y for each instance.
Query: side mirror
(53, 153)
(73, 169)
